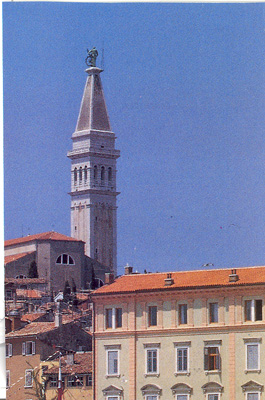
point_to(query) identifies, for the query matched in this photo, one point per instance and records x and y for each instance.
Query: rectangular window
(213, 397)
(112, 362)
(213, 312)
(28, 378)
(183, 314)
(182, 359)
(252, 396)
(152, 316)
(71, 381)
(151, 397)
(212, 359)
(252, 356)
(113, 318)
(28, 348)
(182, 397)
(53, 381)
(109, 318)
(118, 317)
(152, 364)
(89, 380)
(8, 349)
(253, 310)
(113, 398)
(7, 379)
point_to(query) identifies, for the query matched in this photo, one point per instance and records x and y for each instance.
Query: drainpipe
(60, 386)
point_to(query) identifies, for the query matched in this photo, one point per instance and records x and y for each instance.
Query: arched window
(80, 174)
(85, 174)
(95, 172)
(102, 173)
(65, 259)
(109, 174)
(75, 176)
(21, 277)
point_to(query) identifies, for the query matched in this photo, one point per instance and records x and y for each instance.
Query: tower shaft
(93, 176)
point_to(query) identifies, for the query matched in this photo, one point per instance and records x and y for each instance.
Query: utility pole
(60, 386)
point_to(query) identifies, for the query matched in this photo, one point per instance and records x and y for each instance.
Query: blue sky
(185, 91)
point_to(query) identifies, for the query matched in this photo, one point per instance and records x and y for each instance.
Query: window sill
(213, 372)
(182, 373)
(150, 374)
(113, 376)
(28, 386)
(257, 371)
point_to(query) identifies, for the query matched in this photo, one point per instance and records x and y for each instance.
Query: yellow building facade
(181, 336)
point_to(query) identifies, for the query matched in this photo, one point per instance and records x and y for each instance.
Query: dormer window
(65, 259)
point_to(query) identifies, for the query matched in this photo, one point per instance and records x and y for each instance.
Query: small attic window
(65, 259)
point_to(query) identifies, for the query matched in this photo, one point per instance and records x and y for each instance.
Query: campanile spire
(93, 173)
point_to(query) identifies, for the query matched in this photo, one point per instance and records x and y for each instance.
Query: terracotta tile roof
(16, 257)
(82, 365)
(41, 236)
(183, 279)
(29, 293)
(34, 328)
(31, 317)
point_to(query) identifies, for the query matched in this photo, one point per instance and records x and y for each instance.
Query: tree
(33, 270)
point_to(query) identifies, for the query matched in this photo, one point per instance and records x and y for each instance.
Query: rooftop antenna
(102, 57)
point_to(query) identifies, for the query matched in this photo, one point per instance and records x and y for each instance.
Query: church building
(93, 174)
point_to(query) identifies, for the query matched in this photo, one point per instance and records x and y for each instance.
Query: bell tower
(93, 173)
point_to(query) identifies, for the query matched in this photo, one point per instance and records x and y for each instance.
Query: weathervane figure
(91, 57)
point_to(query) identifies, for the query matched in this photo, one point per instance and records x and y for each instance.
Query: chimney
(58, 319)
(233, 277)
(70, 357)
(109, 278)
(128, 270)
(169, 280)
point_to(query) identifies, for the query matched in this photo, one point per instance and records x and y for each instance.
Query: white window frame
(113, 397)
(252, 392)
(118, 362)
(182, 394)
(151, 395)
(24, 348)
(27, 371)
(213, 394)
(182, 346)
(156, 373)
(254, 343)
(9, 350)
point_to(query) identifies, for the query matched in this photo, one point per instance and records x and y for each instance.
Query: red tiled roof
(29, 317)
(30, 293)
(34, 328)
(183, 279)
(82, 364)
(40, 236)
(16, 257)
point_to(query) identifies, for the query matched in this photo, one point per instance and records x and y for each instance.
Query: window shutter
(206, 358)
(218, 360)
(33, 347)
(23, 348)
(10, 349)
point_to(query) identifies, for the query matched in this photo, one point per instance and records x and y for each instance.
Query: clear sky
(185, 91)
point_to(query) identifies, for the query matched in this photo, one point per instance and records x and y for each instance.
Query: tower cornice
(94, 191)
(74, 154)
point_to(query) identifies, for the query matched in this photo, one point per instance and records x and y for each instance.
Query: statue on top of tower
(91, 57)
